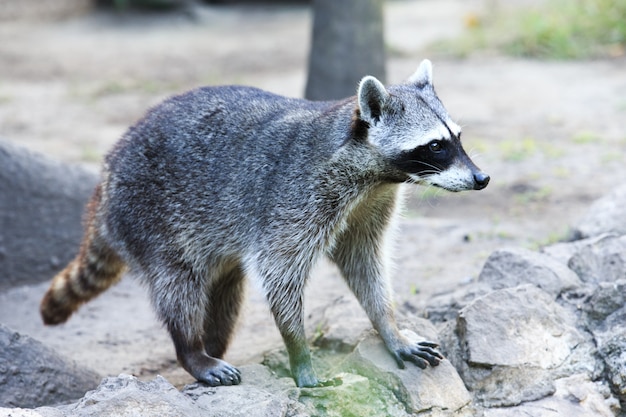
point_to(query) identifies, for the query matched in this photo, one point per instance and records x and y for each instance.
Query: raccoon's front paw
(218, 373)
(304, 377)
(421, 354)
(323, 383)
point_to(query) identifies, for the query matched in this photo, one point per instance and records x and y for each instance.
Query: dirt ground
(552, 135)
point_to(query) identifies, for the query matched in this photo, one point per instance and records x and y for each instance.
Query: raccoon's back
(208, 167)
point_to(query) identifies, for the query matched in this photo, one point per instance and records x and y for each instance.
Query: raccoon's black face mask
(442, 163)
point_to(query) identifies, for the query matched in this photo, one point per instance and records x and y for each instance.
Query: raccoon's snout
(480, 180)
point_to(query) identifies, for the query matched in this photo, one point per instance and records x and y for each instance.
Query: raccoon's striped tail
(96, 267)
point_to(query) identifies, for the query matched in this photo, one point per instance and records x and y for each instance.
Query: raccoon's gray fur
(226, 182)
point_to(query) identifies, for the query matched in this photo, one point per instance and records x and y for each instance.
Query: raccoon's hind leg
(225, 299)
(182, 301)
(96, 267)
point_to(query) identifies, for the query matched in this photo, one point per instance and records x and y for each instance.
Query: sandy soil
(551, 134)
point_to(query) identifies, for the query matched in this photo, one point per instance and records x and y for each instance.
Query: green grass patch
(518, 150)
(90, 153)
(5, 99)
(612, 157)
(552, 151)
(430, 192)
(586, 137)
(561, 172)
(555, 29)
(552, 238)
(476, 146)
(533, 195)
(522, 149)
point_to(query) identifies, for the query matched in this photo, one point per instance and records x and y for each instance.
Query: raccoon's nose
(480, 180)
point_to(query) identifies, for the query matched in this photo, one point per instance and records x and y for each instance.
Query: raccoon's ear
(423, 75)
(372, 96)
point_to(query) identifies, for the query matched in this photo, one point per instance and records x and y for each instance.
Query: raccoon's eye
(435, 146)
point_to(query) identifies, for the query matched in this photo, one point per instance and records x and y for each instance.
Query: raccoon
(223, 183)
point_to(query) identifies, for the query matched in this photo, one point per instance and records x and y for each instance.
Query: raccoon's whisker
(428, 197)
(423, 175)
(473, 153)
(435, 168)
(424, 192)
(431, 201)
(430, 172)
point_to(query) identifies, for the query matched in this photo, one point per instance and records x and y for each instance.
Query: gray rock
(511, 328)
(340, 325)
(563, 251)
(421, 327)
(444, 307)
(574, 396)
(613, 352)
(606, 215)
(24, 412)
(41, 207)
(419, 390)
(260, 394)
(515, 342)
(343, 327)
(600, 260)
(126, 396)
(263, 394)
(607, 298)
(33, 375)
(509, 268)
(610, 336)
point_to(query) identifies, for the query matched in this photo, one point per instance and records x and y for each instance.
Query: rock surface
(508, 268)
(573, 396)
(32, 374)
(41, 207)
(601, 260)
(516, 341)
(121, 395)
(434, 388)
(606, 215)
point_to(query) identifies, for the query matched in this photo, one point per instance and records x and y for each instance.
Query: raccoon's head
(411, 128)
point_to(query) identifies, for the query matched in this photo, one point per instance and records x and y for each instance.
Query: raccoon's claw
(432, 345)
(422, 354)
(222, 373)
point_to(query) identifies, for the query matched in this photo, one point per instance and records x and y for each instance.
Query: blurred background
(539, 87)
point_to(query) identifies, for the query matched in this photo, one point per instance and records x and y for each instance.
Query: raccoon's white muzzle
(457, 177)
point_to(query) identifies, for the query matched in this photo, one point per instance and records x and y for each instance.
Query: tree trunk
(348, 43)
